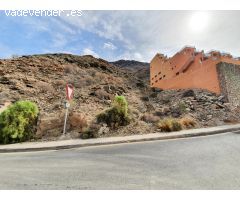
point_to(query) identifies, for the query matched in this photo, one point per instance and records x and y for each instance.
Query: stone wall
(229, 77)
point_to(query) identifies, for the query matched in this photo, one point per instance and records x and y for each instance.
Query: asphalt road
(211, 162)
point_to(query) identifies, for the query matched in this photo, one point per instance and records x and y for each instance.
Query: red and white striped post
(69, 94)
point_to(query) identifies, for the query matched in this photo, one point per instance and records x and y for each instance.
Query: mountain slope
(131, 64)
(140, 70)
(42, 79)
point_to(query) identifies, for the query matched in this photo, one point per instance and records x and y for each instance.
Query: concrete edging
(69, 144)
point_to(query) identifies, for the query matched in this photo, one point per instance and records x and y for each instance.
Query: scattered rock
(145, 98)
(219, 105)
(103, 130)
(140, 84)
(188, 93)
(156, 90)
(149, 118)
(153, 95)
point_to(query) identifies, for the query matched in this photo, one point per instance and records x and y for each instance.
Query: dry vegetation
(173, 124)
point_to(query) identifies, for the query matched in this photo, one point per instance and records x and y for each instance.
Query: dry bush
(92, 72)
(84, 81)
(60, 83)
(77, 121)
(90, 80)
(169, 124)
(110, 79)
(45, 87)
(102, 94)
(69, 69)
(100, 77)
(165, 125)
(188, 122)
(91, 131)
(134, 112)
(176, 125)
(150, 118)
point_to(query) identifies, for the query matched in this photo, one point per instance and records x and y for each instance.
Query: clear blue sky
(114, 35)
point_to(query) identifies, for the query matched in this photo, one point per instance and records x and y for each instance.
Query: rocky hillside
(131, 64)
(42, 79)
(139, 69)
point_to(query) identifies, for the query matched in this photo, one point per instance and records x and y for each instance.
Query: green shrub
(117, 115)
(120, 103)
(17, 122)
(182, 107)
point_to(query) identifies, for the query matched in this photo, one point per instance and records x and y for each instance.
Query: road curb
(24, 147)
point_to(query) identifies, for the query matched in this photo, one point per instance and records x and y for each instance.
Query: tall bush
(17, 122)
(117, 115)
(120, 103)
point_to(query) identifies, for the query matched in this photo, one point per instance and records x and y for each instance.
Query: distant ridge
(130, 64)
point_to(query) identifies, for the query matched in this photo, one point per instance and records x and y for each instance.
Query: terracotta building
(189, 68)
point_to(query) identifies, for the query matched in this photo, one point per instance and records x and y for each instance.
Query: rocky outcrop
(206, 107)
(132, 64)
(230, 82)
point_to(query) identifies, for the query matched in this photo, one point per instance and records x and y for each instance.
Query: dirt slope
(42, 79)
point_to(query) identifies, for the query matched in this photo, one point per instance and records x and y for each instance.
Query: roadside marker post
(69, 93)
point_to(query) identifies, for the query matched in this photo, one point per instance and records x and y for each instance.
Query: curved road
(211, 162)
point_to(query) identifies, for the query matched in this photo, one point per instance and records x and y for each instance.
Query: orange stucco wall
(188, 69)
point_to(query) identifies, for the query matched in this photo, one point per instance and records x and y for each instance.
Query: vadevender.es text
(41, 13)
